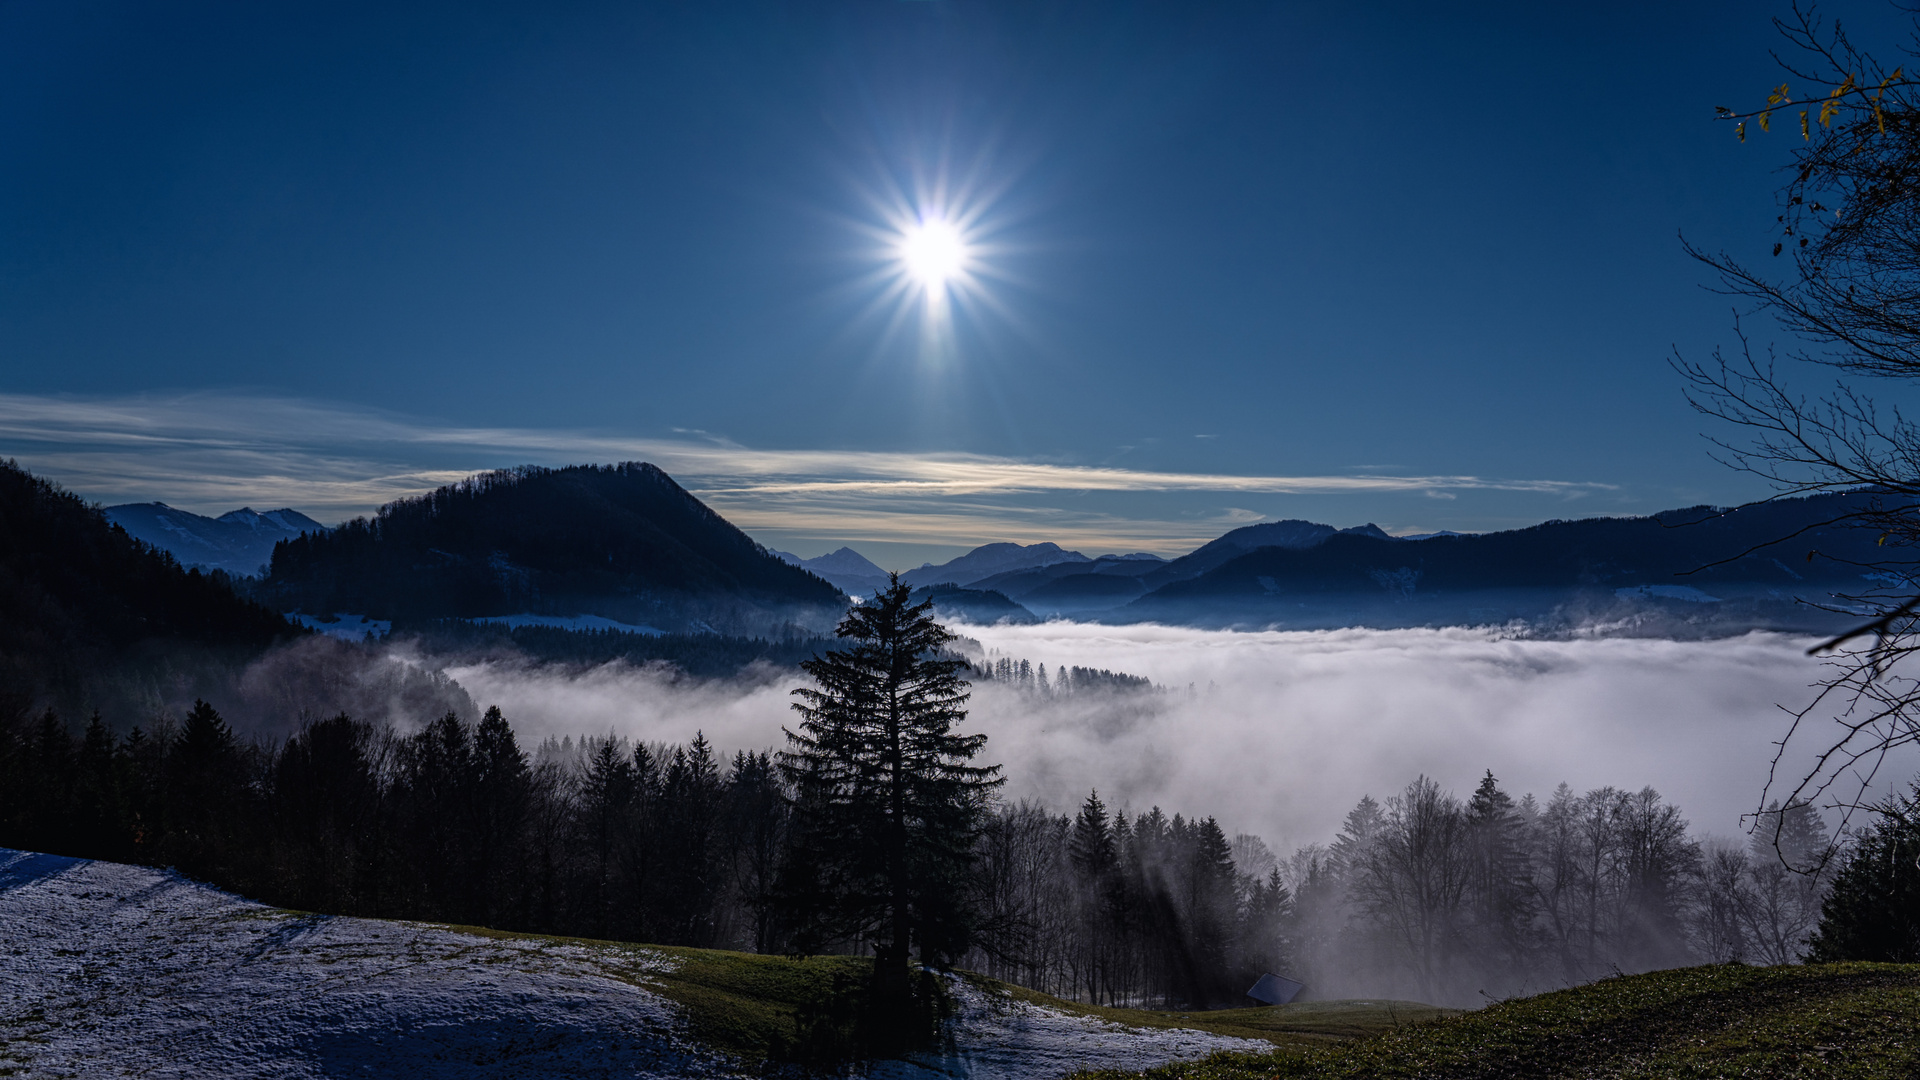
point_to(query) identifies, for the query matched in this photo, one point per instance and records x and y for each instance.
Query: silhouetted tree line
(1423, 895)
(700, 655)
(605, 838)
(1456, 901)
(1432, 897)
(456, 822)
(1143, 911)
(1025, 675)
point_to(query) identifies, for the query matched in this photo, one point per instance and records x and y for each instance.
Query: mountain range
(849, 571)
(1790, 564)
(624, 542)
(239, 541)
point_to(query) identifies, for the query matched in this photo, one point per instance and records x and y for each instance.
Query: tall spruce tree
(1873, 912)
(887, 805)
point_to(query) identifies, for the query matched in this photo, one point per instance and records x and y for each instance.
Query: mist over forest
(1278, 733)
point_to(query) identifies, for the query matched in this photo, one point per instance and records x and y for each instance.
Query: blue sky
(1409, 263)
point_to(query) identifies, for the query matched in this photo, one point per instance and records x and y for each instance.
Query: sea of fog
(1280, 733)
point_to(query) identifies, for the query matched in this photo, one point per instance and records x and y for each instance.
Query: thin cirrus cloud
(216, 451)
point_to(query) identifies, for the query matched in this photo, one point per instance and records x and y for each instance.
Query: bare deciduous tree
(1848, 294)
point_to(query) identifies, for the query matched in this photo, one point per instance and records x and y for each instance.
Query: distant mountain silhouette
(1699, 565)
(1291, 533)
(620, 541)
(81, 599)
(239, 541)
(1075, 588)
(850, 571)
(1075, 593)
(989, 559)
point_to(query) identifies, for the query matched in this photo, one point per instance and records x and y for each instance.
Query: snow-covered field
(114, 970)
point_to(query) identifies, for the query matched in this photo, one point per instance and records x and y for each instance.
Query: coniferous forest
(1423, 894)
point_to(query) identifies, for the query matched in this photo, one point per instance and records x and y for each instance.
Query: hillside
(620, 541)
(109, 963)
(239, 541)
(1827, 1021)
(80, 600)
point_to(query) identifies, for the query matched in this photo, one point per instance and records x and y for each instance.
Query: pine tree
(689, 820)
(757, 824)
(1497, 880)
(1212, 908)
(1873, 912)
(503, 794)
(324, 803)
(1095, 857)
(98, 796)
(885, 797)
(204, 785)
(606, 797)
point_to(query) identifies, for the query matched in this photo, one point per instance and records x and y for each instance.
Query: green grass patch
(755, 1007)
(758, 1007)
(1847, 1021)
(763, 1008)
(1308, 1023)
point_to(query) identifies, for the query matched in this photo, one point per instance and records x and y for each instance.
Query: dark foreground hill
(83, 604)
(1767, 566)
(1831, 1021)
(620, 541)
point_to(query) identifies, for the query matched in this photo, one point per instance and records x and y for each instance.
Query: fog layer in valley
(1280, 733)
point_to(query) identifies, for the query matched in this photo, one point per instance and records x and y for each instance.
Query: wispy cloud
(219, 450)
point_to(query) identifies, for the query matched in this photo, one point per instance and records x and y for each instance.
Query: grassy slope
(739, 1003)
(1855, 1021)
(750, 1005)
(1310, 1023)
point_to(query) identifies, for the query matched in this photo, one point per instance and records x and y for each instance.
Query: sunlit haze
(933, 252)
(1155, 239)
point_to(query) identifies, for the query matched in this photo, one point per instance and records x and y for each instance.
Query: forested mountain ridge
(80, 599)
(846, 568)
(1290, 533)
(1750, 566)
(990, 559)
(623, 541)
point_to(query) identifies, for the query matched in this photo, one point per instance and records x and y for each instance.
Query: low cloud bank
(1280, 733)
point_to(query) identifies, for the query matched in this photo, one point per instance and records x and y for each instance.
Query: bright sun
(933, 252)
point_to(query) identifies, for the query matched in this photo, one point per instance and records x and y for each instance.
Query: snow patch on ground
(570, 622)
(998, 1037)
(115, 970)
(346, 627)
